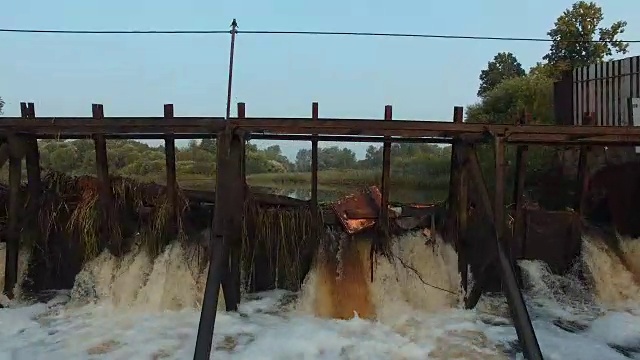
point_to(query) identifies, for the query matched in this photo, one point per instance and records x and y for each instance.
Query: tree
(503, 66)
(1, 105)
(303, 160)
(502, 105)
(209, 145)
(574, 34)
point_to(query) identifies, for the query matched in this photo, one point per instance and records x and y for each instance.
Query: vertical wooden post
(235, 187)
(459, 196)
(498, 207)
(520, 314)
(517, 248)
(172, 185)
(583, 169)
(453, 172)
(34, 183)
(386, 174)
(314, 172)
(14, 214)
(317, 222)
(218, 263)
(499, 189)
(104, 183)
(383, 214)
(12, 251)
(484, 205)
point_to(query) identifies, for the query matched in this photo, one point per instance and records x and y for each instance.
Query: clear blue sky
(275, 75)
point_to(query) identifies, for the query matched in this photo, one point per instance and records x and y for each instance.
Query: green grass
(331, 183)
(347, 178)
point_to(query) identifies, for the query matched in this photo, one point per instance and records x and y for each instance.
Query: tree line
(136, 159)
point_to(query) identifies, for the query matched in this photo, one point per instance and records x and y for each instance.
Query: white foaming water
(140, 308)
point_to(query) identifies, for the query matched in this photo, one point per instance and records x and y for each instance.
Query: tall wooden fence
(603, 89)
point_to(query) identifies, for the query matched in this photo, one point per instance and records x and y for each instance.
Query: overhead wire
(285, 32)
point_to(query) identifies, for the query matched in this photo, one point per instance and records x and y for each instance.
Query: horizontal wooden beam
(287, 137)
(365, 130)
(574, 140)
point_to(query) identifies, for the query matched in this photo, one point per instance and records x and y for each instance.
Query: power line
(100, 32)
(280, 32)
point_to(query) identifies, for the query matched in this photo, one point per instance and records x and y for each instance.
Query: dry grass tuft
(282, 234)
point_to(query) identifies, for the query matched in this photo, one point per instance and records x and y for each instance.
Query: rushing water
(142, 308)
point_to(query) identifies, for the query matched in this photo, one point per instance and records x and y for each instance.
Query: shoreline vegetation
(419, 167)
(419, 172)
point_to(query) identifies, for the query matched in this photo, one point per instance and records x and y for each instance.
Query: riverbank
(326, 179)
(333, 184)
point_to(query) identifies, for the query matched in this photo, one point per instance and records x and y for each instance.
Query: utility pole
(234, 31)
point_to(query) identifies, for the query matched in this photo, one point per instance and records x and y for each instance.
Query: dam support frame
(20, 136)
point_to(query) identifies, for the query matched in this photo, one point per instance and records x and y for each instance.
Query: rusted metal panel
(359, 211)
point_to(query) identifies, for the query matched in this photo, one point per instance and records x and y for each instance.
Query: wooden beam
(315, 228)
(385, 182)
(234, 185)
(582, 181)
(218, 257)
(525, 139)
(254, 136)
(34, 181)
(453, 172)
(52, 126)
(477, 180)
(172, 184)
(458, 197)
(4, 154)
(104, 183)
(14, 213)
(517, 247)
(499, 196)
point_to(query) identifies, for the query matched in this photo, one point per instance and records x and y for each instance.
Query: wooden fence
(604, 89)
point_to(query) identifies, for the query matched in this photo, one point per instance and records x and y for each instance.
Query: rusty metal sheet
(551, 236)
(359, 211)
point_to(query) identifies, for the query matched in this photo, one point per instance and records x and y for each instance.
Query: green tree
(578, 39)
(503, 66)
(303, 160)
(209, 145)
(503, 105)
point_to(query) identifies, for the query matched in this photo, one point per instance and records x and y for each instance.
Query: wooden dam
(469, 203)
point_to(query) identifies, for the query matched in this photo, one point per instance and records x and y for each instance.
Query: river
(137, 307)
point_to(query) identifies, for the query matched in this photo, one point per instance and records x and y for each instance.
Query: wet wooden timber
(19, 136)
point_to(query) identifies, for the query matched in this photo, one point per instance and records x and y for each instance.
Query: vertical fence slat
(600, 93)
(575, 95)
(592, 88)
(608, 108)
(603, 89)
(618, 98)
